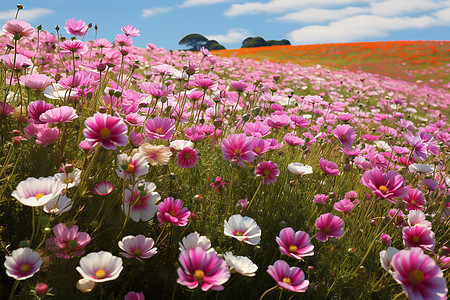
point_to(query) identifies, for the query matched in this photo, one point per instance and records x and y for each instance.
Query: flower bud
(85, 285)
(41, 289)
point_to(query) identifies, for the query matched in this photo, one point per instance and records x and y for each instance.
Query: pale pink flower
(19, 28)
(77, 28)
(37, 192)
(23, 263)
(244, 229)
(140, 201)
(59, 115)
(139, 247)
(103, 188)
(36, 81)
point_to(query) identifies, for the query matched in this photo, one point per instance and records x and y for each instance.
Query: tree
(255, 42)
(214, 45)
(193, 41)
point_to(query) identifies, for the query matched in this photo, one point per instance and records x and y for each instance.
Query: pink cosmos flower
(419, 236)
(419, 148)
(171, 211)
(414, 200)
(293, 140)
(19, 62)
(345, 205)
(257, 129)
(36, 81)
(260, 146)
(329, 226)
(123, 40)
(100, 266)
(134, 296)
(329, 167)
(320, 199)
(300, 121)
(268, 171)
(419, 275)
(19, 28)
(102, 43)
(131, 167)
(140, 201)
(130, 30)
(109, 131)
(73, 46)
(238, 147)
(195, 134)
(77, 28)
(292, 279)
(139, 247)
(159, 128)
(68, 242)
(199, 267)
(244, 229)
(187, 158)
(218, 183)
(46, 136)
(103, 188)
(239, 86)
(23, 263)
(278, 121)
(386, 238)
(59, 115)
(399, 219)
(418, 218)
(295, 244)
(346, 135)
(136, 139)
(387, 186)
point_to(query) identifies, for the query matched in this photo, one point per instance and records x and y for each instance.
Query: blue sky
(164, 23)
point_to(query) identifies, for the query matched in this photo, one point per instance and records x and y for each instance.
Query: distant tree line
(194, 41)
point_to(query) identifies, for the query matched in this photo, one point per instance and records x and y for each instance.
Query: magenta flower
(201, 268)
(103, 188)
(36, 81)
(292, 279)
(278, 121)
(419, 275)
(19, 28)
(139, 247)
(109, 131)
(23, 263)
(419, 148)
(418, 236)
(387, 186)
(171, 211)
(37, 108)
(239, 148)
(59, 115)
(68, 242)
(268, 171)
(300, 121)
(329, 167)
(414, 200)
(345, 205)
(257, 129)
(123, 40)
(329, 226)
(73, 46)
(159, 128)
(295, 244)
(187, 158)
(134, 296)
(77, 28)
(346, 135)
(320, 199)
(386, 238)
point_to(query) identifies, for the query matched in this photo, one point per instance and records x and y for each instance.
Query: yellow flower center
(416, 239)
(257, 150)
(413, 202)
(24, 268)
(327, 230)
(100, 274)
(199, 275)
(186, 156)
(383, 189)
(239, 233)
(287, 280)
(173, 213)
(130, 168)
(416, 276)
(105, 132)
(159, 130)
(292, 248)
(138, 201)
(38, 195)
(137, 252)
(266, 172)
(237, 152)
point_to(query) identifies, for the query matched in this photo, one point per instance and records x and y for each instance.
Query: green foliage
(195, 41)
(258, 41)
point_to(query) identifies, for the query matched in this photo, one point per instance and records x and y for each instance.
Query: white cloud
(188, 3)
(443, 15)
(358, 27)
(235, 35)
(149, 12)
(279, 6)
(26, 14)
(400, 7)
(318, 15)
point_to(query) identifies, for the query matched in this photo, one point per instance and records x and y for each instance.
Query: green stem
(13, 290)
(269, 290)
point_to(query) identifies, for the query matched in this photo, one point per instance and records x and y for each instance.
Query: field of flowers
(425, 62)
(129, 173)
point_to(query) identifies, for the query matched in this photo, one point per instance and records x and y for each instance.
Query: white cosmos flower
(244, 229)
(179, 145)
(241, 264)
(386, 258)
(299, 168)
(193, 240)
(37, 192)
(417, 218)
(71, 179)
(420, 168)
(100, 266)
(58, 205)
